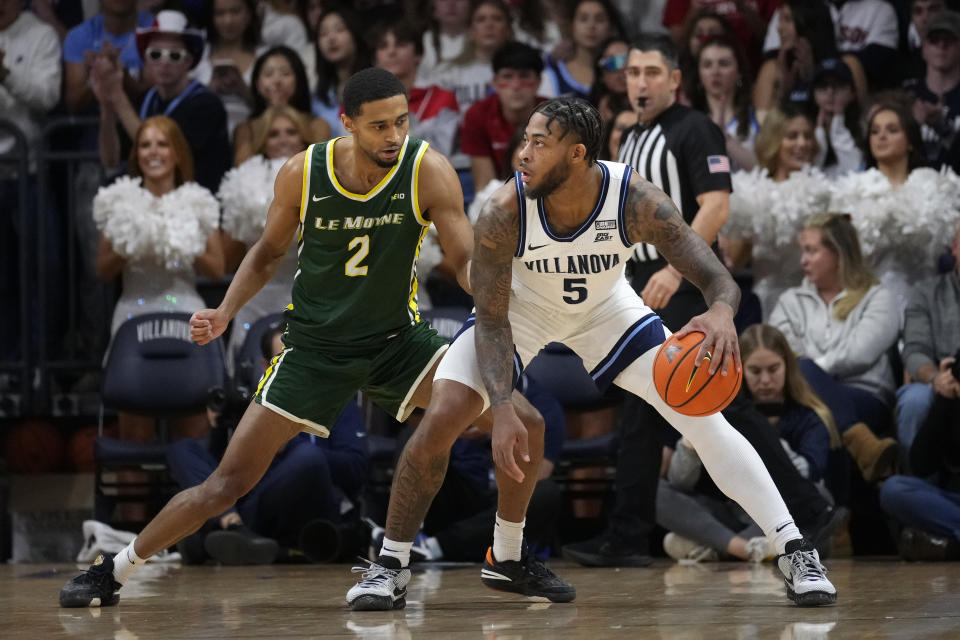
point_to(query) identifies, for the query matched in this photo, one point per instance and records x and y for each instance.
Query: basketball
(34, 446)
(686, 388)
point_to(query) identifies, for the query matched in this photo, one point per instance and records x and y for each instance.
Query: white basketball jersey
(573, 273)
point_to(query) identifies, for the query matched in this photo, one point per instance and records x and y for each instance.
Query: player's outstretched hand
(207, 325)
(509, 441)
(720, 346)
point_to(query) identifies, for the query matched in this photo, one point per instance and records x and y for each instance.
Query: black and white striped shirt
(684, 153)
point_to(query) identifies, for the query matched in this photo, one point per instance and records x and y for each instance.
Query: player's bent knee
(223, 490)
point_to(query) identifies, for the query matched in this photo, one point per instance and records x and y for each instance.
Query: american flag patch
(718, 164)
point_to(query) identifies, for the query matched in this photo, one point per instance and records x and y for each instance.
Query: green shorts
(313, 387)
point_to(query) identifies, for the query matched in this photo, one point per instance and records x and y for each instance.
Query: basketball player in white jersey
(548, 266)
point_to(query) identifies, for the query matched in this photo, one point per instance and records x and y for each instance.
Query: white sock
(398, 550)
(784, 533)
(126, 562)
(507, 539)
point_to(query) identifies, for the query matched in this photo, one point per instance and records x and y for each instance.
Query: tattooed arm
(495, 242)
(651, 216)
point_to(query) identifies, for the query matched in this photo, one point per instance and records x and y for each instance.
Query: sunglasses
(173, 55)
(613, 63)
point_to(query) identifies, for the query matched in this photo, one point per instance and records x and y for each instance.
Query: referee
(684, 153)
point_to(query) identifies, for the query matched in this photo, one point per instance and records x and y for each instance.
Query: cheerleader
(158, 229)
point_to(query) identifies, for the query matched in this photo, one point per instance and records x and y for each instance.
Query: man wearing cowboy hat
(169, 49)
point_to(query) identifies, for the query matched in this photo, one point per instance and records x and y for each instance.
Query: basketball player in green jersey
(362, 205)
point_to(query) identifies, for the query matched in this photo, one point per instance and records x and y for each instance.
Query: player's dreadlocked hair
(373, 83)
(578, 116)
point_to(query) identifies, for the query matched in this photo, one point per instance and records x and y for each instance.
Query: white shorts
(608, 338)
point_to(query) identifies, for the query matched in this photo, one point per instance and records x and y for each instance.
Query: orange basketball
(688, 389)
(34, 446)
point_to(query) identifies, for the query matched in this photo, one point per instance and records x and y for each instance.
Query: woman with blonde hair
(842, 322)
(158, 229)
(769, 203)
(246, 193)
(779, 391)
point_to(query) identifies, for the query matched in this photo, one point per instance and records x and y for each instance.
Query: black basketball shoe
(528, 576)
(95, 588)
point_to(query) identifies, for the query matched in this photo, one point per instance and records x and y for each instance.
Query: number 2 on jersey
(353, 267)
(576, 286)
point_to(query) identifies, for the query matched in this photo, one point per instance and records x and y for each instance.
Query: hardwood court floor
(878, 599)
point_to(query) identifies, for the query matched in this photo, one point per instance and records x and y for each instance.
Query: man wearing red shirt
(489, 123)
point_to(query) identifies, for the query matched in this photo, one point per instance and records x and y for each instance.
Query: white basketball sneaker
(380, 588)
(804, 576)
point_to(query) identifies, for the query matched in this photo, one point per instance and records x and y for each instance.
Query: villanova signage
(167, 328)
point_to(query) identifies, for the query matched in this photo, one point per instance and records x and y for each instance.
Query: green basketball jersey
(356, 282)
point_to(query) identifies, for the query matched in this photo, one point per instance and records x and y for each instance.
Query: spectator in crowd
(703, 25)
(838, 119)
(888, 194)
(278, 79)
(301, 494)
(536, 23)
(936, 93)
(445, 24)
(928, 505)
(785, 145)
(489, 124)
(341, 51)
(866, 29)
(779, 391)
(591, 23)
(805, 37)
(111, 33)
(282, 25)
(171, 49)
(613, 132)
(469, 74)
(723, 92)
(30, 76)
(748, 20)
(29, 88)
(842, 322)
(158, 229)
(233, 43)
(434, 113)
(609, 90)
(245, 194)
(920, 13)
(931, 335)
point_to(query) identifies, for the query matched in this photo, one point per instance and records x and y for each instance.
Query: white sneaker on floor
(379, 589)
(686, 551)
(804, 576)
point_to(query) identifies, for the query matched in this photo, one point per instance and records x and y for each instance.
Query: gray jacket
(931, 330)
(855, 350)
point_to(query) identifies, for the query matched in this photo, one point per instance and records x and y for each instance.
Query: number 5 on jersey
(576, 286)
(353, 267)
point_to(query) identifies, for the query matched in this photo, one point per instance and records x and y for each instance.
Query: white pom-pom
(246, 193)
(191, 214)
(171, 230)
(125, 213)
